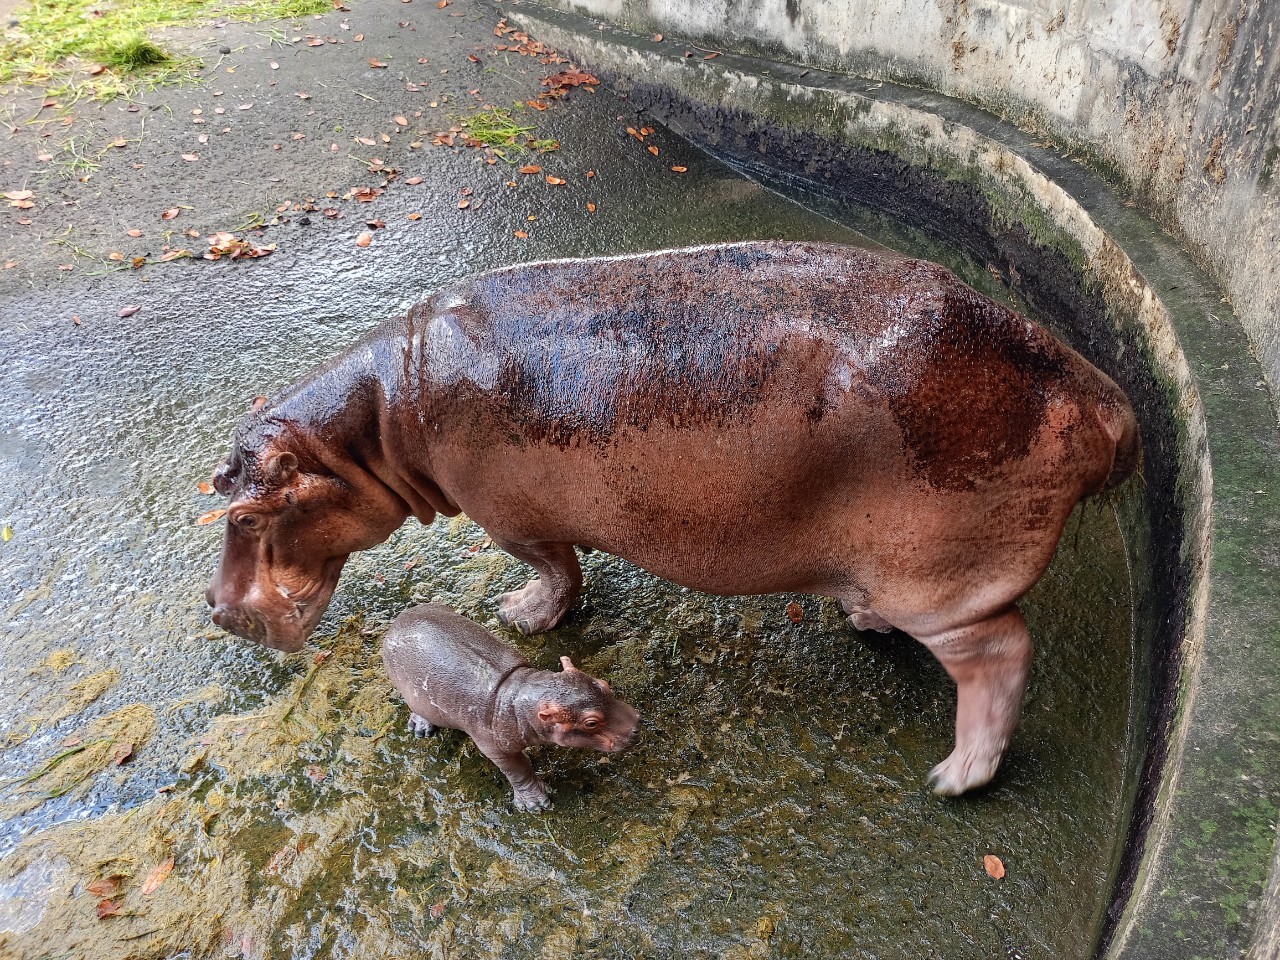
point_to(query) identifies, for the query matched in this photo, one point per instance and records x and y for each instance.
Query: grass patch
(54, 36)
(499, 131)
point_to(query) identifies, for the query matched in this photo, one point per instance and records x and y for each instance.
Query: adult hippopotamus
(741, 419)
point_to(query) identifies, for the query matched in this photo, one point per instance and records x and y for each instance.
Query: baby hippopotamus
(453, 673)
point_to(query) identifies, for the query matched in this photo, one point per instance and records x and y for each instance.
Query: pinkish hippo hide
(742, 419)
(453, 673)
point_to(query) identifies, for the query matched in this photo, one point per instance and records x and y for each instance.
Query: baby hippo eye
(248, 521)
(590, 723)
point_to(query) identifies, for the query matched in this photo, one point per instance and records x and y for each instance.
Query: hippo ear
(567, 665)
(281, 469)
(551, 712)
(604, 685)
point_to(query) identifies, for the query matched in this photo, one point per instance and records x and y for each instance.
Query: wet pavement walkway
(201, 794)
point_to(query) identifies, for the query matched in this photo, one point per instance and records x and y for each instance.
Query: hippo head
(578, 710)
(298, 509)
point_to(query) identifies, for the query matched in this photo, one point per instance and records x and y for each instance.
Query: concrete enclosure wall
(1177, 100)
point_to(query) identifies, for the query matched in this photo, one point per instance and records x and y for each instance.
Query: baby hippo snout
(452, 673)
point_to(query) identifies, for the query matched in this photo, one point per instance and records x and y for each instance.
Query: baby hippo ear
(568, 666)
(603, 685)
(549, 711)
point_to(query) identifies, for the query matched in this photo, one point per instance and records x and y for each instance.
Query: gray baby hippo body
(455, 674)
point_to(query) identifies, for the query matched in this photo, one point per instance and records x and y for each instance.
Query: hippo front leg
(530, 792)
(541, 603)
(989, 662)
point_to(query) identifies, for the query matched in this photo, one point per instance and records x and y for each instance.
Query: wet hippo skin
(741, 419)
(453, 673)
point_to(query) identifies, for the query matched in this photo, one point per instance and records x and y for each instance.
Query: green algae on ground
(773, 806)
(104, 743)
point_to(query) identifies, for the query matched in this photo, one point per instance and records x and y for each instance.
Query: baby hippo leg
(989, 662)
(541, 603)
(420, 726)
(530, 791)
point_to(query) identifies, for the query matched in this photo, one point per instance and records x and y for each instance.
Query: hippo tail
(1121, 426)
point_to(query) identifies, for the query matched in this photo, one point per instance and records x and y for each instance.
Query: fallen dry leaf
(711, 56)
(414, 181)
(653, 150)
(437, 911)
(442, 4)
(679, 169)
(107, 887)
(556, 181)
(463, 204)
(170, 214)
(400, 121)
(121, 753)
(117, 256)
(228, 245)
(109, 908)
(364, 240)
(591, 208)
(205, 519)
(795, 612)
(135, 232)
(531, 168)
(129, 311)
(993, 865)
(522, 235)
(376, 63)
(657, 38)
(156, 877)
(191, 157)
(205, 487)
(19, 195)
(415, 216)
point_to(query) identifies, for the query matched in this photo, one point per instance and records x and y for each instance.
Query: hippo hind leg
(989, 661)
(541, 603)
(421, 726)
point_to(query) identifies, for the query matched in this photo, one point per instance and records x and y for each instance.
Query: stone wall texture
(1176, 101)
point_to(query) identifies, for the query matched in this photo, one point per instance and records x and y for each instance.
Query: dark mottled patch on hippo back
(968, 381)
(686, 338)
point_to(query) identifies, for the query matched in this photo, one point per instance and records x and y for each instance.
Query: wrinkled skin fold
(740, 419)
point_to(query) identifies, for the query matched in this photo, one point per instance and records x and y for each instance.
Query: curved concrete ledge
(1199, 873)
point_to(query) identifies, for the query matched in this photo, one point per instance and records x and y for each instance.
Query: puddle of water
(775, 804)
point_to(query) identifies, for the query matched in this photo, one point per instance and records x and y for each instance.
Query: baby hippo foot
(533, 608)
(964, 770)
(532, 797)
(420, 726)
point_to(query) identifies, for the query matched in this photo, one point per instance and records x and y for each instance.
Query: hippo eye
(248, 521)
(590, 723)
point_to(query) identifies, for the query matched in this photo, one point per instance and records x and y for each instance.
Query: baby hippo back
(446, 667)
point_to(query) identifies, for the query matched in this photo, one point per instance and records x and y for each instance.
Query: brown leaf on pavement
(364, 240)
(531, 168)
(205, 487)
(205, 519)
(129, 311)
(376, 63)
(135, 233)
(679, 169)
(993, 865)
(107, 887)
(109, 908)
(170, 213)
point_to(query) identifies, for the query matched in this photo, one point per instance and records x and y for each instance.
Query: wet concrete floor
(775, 804)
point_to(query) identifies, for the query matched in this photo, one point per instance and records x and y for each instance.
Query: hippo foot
(421, 726)
(533, 798)
(531, 609)
(963, 771)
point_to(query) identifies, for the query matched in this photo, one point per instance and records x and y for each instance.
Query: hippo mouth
(293, 618)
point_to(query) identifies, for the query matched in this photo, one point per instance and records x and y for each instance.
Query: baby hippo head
(577, 710)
